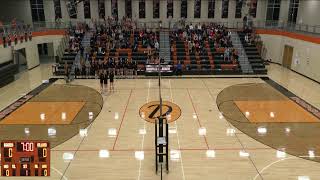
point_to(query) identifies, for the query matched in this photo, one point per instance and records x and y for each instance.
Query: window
(128, 7)
(37, 10)
(86, 8)
(197, 8)
(184, 8)
(102, 10)
(142, 9)
(293, 11)
(72, 9)
(225, 8)
(239, 8)
(211, 8)
(273, 10)
(169, 8)
(114, 9)
(253, 8)
(156, 9)
(57, 9)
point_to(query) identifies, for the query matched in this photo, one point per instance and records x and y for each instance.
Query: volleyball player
(117, 65)
(121, 66)
(105, 80)
(101, 77)
(130, 69)
(105, 66)
(111, 65)
(125, 67)
(111, 77)
(135, 68)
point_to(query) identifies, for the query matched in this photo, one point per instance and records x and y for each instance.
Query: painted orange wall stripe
(292, 35)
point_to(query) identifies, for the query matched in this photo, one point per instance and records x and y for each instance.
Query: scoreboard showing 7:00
(25, 158)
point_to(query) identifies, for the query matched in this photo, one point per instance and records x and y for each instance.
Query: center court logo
(151, 111)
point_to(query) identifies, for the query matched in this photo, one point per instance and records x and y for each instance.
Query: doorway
(46, 53)
(287, 56)
(20, 59)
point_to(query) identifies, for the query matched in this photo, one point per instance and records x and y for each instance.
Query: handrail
(175, 24)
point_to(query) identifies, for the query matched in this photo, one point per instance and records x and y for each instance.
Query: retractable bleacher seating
(68, 57)
(253, 55)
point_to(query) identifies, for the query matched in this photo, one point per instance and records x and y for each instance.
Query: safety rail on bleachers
(280, 25)
(139, 24)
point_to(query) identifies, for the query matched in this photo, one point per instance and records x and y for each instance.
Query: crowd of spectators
(196, 36)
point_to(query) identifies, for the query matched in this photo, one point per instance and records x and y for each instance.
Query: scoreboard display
(25, 158)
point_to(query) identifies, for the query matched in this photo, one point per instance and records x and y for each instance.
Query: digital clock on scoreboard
(25, 158)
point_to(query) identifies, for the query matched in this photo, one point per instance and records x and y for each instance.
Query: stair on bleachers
(253, 55)
(165, 46)
(243, 59)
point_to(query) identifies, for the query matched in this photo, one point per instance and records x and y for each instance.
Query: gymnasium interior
(160, 89)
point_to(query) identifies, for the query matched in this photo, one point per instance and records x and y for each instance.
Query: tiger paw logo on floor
(151, 111)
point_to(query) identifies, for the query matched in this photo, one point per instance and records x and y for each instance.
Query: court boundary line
(175, 122)
(144, 127)
(195, 111)
(236, 135)
(122, 119)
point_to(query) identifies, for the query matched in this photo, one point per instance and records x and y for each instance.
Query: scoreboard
(25, 158)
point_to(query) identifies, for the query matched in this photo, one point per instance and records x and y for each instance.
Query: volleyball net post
(161, 133)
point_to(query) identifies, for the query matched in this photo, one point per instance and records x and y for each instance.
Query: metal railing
(175, 24)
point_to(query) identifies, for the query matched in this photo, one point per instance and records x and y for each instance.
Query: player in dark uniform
(125, 68)
(106, 81)
(111, 66)
(101, 77)
(130, 68)
(117, 65)
(121, 66)
(105, 66)
(135, 68)
(111, 77)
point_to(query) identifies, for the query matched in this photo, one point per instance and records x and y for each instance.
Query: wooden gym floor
(204, 145)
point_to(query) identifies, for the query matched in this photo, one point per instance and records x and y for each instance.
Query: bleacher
(253, 55)
(208, 61)
(67, 57)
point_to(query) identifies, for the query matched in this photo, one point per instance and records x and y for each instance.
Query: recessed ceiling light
(194, 115)
(174, 155)
(143, 115)
(262, 130)
(303, 178)
(172, 130)
(139, 155)
(247, 113)
(116, 115)
(287, 130)
(272, 114)
(211, 153)
(83, 132)
(220, 115)
(104, 153)
(311, 154)
(281, 153)
(242, 153)
(63, 116)
(52, 132)
(112, 132)
(202, 131)
(67, 156)
(231, 131)
(142, 131)
(42, 116)
(27, 131)
(90, 115)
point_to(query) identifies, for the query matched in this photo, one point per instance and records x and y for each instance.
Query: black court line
(298, 100)
(18, 103)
